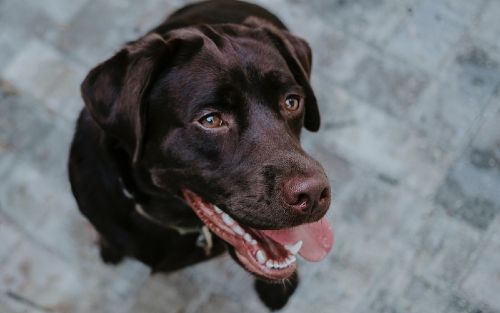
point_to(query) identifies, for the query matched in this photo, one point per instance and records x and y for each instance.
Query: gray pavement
(410, 96)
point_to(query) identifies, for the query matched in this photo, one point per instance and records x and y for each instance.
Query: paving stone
(41, 278)
(339, 53)
(396, 93)
(59, 11)
(487, 26)
(477, 68)
(447, 247)
(102, 27)
(20, 24)
(34, 274)
(21, 124)
(449, 111)
(426, 36)
(346, 277)
(215, 304)
(47, 199)
(28, 194)
(459, 304)
(13, 303)
(470, 191)
(186, 290)
(483, 281)
(162, 293)
(10, 236)
(371, 20)
(371, 238)
(43, 72)
(407, 293)
(366, 136)
(362, 210)
(463, 11)
(338, 169)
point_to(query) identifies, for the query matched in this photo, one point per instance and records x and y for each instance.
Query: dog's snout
(307, 194)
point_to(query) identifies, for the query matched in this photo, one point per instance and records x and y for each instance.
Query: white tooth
(292, 259)
(295, 247)
(247, 237)
(253, 242)
(269, 264)
(261, 257)
(237, 229)
(227, 219)
(275, 264)
(219, 211)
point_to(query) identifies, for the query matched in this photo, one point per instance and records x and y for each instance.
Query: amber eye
(292, 103)
(212, 120)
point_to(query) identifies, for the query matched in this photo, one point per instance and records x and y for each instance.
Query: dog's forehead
(225, 63)
(231, 47)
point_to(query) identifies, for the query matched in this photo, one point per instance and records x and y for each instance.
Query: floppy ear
(114, 90)
(298, 57)
(297, 54)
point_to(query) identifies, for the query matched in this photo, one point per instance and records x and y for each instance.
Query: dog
(188, 146)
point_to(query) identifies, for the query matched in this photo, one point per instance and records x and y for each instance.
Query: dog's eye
(212, 120)
(292, 103)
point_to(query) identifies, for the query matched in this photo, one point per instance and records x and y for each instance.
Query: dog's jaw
(267, 254)
(254, 251)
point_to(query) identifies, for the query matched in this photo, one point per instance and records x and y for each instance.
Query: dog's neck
(182, 230)
(204, 239)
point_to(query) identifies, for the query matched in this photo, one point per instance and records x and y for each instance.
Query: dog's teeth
(293, 249)
(275, 264)
(269, 264)
(217, 210)
(290, 260)
(247, 237)
(253, 242)
(227, 219)
(237, 229)
(261, 257)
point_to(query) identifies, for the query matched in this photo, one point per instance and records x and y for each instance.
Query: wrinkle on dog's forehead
(223, 71)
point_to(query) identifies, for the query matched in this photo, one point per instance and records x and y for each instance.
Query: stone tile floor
(410, 97)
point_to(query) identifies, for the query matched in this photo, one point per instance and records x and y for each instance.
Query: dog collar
(204, 240)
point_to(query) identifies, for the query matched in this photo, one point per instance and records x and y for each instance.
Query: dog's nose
(307, 194)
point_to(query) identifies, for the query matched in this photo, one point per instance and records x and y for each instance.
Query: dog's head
(213, 114)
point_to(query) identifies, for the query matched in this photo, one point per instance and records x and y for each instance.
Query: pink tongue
(317, 238)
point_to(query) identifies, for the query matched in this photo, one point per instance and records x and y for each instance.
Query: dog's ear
(114, 91)
(298, 56)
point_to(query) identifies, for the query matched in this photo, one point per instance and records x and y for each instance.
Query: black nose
(307, 194)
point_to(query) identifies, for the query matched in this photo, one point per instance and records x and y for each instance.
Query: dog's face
(214, 115)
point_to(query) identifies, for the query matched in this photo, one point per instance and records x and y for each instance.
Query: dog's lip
(258, 253)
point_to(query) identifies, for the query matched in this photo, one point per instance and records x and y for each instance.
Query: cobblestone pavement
(410, 96)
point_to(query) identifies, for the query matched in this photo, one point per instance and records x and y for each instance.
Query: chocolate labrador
(189, 146)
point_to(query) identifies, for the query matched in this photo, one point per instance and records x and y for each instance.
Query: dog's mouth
(269, 254)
